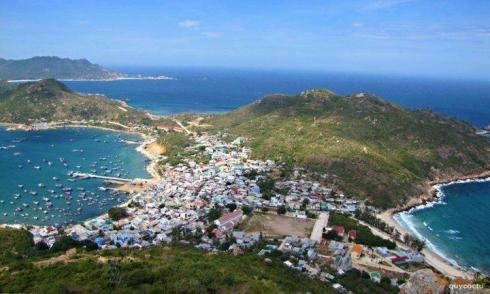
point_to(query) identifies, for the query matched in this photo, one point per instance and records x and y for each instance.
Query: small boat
(41, 185)
(55, 179)
(37, 167)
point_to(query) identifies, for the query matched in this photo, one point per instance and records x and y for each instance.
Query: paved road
(321, 222)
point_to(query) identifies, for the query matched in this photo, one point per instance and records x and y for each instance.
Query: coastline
(98, 80)
(430, 197)
(127, 187)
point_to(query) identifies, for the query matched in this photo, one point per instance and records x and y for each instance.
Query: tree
(281, 209)
(247, 210)
(213, 214)
(41, 245)
(331, 235)
(231, 206)
(117, 213)
(64, 243)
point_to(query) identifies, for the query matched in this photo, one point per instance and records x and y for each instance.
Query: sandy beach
(431, 258)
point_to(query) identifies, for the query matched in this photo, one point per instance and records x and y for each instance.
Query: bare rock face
(424, 281)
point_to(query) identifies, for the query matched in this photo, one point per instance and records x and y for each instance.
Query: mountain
(364, 146)
(50, 100)
(46, 67)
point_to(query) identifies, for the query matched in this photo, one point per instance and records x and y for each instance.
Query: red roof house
(352, 234)
(339, 230)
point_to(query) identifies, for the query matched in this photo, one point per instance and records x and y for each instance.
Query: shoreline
(98, 80)
(150, 168)
(430, 197)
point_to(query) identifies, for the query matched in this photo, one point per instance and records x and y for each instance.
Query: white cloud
(189, 24)
(357, 25)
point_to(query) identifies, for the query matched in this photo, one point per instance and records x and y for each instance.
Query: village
(229, 204)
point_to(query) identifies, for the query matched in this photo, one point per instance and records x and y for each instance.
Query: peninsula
(46, 67)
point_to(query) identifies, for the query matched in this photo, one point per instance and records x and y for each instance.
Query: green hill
(46, 67)
(174, 269)
(50, 100)
(363, 145)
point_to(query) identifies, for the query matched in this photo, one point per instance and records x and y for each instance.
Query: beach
(431, 258)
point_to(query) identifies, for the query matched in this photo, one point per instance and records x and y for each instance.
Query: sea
(34, 173)
(458, 228)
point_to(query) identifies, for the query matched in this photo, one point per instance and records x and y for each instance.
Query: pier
(94, 176)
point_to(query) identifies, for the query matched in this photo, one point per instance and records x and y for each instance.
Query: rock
(424, 281)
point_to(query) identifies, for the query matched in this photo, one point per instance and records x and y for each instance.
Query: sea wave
(405, 219)
(452, 232)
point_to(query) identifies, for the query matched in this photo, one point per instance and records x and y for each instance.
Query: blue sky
(409, 37)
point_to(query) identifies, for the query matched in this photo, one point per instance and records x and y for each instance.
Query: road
(321, 222)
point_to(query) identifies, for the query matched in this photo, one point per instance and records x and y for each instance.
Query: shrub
(117, 213)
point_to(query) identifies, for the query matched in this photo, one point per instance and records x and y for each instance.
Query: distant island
(52, 67)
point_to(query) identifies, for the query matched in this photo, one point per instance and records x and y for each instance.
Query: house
(339, 230)
(383, 251)
(356, 251)
(339, 288)
(352, 234)
(230, 218)
(399, 260)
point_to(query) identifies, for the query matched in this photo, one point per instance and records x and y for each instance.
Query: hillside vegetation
(174, 269)
(363, 145)
(46, 67)
(50, 100)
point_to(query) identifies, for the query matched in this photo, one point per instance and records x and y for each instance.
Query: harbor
(63, 176)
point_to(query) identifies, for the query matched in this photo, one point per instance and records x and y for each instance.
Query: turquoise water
(458, 226)
(36, 161)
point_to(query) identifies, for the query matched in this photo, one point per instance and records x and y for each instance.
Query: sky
(406, 37)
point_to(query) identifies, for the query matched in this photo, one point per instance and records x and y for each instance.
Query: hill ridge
(364, 145)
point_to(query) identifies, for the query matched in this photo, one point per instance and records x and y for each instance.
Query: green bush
(117, 213)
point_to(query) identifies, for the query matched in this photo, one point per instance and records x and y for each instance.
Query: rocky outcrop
(424, 281)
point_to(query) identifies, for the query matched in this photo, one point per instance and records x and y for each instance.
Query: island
(53, 67)
(281, 195)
